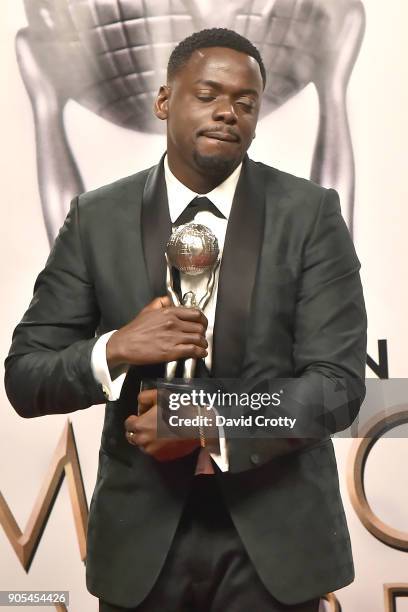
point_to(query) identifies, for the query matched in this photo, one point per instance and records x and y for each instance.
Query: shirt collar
(180, 196)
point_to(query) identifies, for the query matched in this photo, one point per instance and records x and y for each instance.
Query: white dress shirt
(179, 197)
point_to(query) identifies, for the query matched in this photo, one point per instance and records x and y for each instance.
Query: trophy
(110, 56)
(192, 249)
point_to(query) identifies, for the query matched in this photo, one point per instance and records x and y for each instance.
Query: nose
(224, 111)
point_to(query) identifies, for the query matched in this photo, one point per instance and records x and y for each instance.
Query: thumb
(160, 302)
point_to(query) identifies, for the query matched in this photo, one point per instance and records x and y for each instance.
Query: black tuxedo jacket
(290, 304)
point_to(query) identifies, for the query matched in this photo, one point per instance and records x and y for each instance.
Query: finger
(191, 314)
(165, 301)
(137, 439)
(158, 303)
(191, 327)
(195, 339)
(131, 438)
(147, 398)
(131, 423)
(187, 351)
(143, 408)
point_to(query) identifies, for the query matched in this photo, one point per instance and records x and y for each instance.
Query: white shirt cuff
(110, 387)
(221, 458)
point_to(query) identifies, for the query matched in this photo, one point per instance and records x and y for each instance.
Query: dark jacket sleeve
(48, 369)
(329, 344)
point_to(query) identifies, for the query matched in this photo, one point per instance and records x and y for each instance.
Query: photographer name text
(222, 421)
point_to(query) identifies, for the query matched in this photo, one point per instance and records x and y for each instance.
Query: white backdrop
(378, 103)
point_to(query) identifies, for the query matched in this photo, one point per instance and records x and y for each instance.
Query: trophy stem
(169, 284)
(171, 366)
(189, 368)
(192, 249)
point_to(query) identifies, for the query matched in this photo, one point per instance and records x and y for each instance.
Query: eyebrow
(216, 85)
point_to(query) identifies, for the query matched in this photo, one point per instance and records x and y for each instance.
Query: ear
(161, 105)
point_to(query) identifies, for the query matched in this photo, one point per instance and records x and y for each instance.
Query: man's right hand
(160, 333)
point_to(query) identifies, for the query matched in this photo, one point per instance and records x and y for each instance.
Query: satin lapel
(156, 228)
(243, 243)
(121, 256)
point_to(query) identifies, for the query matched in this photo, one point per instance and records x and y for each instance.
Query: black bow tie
(197, 205)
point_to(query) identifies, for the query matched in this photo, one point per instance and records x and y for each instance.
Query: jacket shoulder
(119, 193)
(290, 183)
(300, 200)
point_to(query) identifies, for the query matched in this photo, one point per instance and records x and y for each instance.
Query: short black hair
(212, 37)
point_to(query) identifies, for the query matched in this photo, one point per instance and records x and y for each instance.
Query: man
(247, 522)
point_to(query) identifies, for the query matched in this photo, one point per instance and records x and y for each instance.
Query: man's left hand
(142, 431)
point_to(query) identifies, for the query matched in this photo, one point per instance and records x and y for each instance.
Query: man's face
(211, 107)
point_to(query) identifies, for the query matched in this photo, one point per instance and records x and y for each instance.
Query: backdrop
(309, 127)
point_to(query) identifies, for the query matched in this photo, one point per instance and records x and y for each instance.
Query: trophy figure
(111, 55)
(192, 249)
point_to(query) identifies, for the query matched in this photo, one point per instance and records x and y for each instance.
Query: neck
(199, 181)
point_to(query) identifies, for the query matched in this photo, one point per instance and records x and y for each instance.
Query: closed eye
(246, 104)
(205, 97)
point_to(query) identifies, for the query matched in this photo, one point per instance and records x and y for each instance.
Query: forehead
(223, 65)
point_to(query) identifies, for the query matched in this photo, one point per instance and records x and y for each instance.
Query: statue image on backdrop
(111, 55)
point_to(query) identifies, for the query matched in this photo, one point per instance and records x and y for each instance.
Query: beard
(215, 165)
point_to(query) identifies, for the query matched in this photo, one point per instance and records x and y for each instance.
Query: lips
(223, 136)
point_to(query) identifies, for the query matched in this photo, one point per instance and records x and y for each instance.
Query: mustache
(226, 130)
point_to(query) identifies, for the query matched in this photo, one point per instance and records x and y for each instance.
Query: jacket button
(255, 458)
